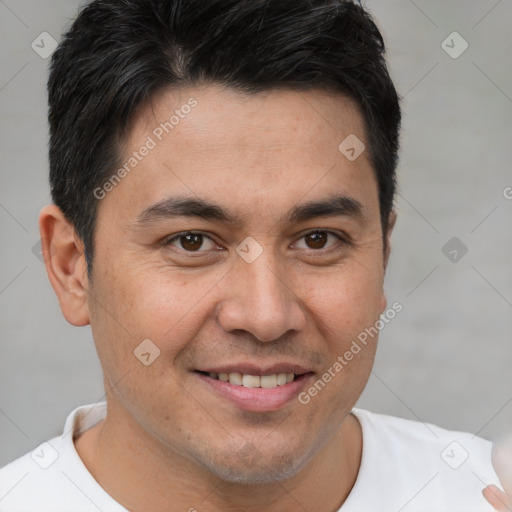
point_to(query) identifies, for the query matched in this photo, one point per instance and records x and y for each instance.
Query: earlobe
(65, 264)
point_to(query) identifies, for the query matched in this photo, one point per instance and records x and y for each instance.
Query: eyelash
(343, 239)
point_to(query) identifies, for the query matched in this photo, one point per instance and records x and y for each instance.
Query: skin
(170, 443)
(497, 498)
(501, 460)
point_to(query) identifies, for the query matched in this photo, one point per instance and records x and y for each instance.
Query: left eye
(318, 239)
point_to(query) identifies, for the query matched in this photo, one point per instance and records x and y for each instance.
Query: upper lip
(253, 369)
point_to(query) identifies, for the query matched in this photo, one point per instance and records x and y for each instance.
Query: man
(223, 175)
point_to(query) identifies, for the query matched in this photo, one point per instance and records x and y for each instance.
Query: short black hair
(119, 53)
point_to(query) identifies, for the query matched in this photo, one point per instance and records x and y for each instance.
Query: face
(245, 246)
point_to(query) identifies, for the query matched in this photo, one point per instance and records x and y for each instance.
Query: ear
(65, 264)
(387, 252)
(391, 225)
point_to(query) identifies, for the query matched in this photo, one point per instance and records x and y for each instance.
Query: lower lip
(258, 399)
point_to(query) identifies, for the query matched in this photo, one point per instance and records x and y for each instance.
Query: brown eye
(191, 242)
(316, 240)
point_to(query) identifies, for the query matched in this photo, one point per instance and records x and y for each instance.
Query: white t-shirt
(406, 466)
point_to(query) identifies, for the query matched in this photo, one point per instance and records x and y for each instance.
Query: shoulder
(455, 448)
(447, 469)
(52, 477)
(29, 478)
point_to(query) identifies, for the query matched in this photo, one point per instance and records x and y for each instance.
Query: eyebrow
(335, 205)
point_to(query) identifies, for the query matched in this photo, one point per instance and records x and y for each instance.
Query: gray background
(445, 359)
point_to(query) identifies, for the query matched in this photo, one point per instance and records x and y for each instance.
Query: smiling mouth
(254, 381)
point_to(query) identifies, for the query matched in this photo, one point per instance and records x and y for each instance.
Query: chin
(260, 475)
(250, 466)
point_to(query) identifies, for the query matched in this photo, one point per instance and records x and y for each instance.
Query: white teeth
(235, 379)
(251, 381)
(281, 379)
(268, 381)
(254, 381)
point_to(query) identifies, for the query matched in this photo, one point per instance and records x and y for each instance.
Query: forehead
(223, 145)
(264, 119)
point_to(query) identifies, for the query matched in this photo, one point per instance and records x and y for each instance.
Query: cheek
(158, 304)
(347, 300)
(170, 307)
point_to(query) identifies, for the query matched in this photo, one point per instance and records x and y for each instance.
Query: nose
(261, 300)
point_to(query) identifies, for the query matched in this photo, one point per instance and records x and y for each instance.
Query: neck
(142, 473)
